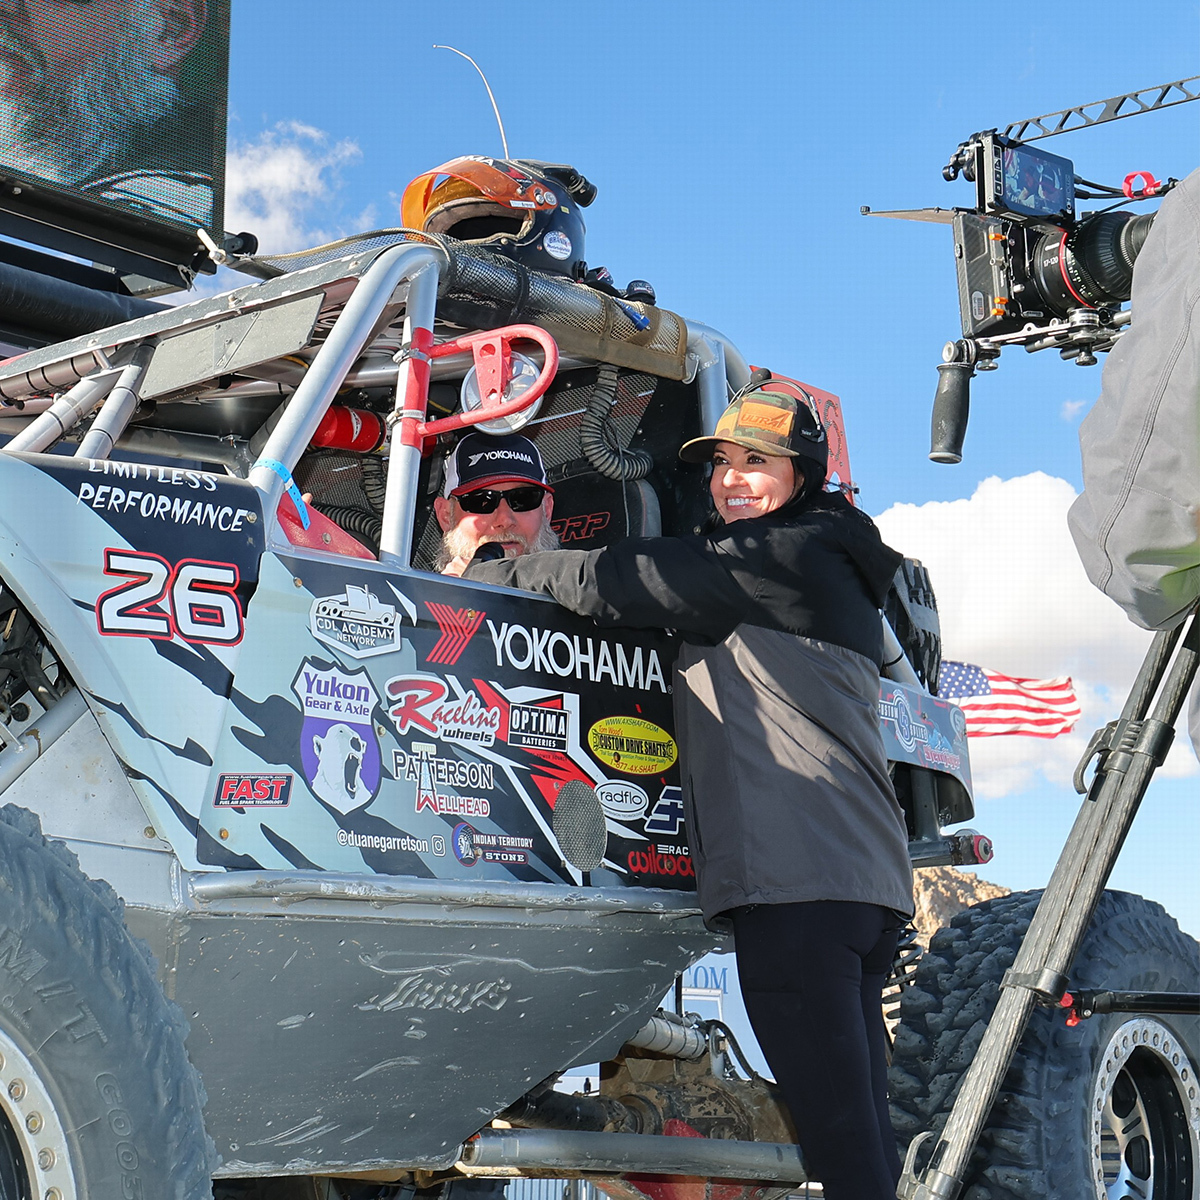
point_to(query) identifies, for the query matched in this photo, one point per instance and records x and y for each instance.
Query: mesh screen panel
(160, 154)
(579, 825)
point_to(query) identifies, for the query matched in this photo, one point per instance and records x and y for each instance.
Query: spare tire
(97, 1096)
(1107, 1110)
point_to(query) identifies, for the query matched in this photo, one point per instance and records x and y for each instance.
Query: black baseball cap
(483, 460)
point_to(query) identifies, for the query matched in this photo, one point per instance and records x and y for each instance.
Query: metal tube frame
(65, 412)
(1135, 747)
(350, 333)
(19, 754)
(120, 405)
(514, 1151)
(412, 395)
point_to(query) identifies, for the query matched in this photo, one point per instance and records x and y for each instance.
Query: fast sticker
(632, 746)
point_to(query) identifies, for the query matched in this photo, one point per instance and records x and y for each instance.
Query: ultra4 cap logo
(357, 623)
(338, 746)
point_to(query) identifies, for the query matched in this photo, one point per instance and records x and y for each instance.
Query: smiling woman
(793, 826)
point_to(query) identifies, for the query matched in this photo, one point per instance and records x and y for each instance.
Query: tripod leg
(1134, 747)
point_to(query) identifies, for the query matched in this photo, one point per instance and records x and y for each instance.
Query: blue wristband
(289, 486)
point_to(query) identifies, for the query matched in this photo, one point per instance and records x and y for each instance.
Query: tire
(1108, 1110)
(97, 1097)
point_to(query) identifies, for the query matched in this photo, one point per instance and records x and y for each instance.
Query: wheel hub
(1145, 1095)
(33, 1147)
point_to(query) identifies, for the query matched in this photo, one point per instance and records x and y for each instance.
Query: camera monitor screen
(1037, 184)
(118, 103)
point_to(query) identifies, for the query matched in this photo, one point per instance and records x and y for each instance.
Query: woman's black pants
(812, 975)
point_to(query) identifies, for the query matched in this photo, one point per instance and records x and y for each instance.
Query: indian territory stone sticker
(356, 623)
(338, 746)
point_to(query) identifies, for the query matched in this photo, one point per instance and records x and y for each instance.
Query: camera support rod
(1130, 750)
(1164, 95)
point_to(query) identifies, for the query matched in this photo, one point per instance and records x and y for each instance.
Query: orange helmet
(524, 209)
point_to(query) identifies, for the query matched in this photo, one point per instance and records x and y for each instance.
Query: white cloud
(1013, 597)
(282, 186)
(1072, 408)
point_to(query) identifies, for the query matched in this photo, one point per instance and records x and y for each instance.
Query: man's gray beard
(458, 543)
(68, 135)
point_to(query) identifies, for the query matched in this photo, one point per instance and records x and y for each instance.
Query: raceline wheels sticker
(632, 746)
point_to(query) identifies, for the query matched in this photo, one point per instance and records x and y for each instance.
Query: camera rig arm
(1030, 271)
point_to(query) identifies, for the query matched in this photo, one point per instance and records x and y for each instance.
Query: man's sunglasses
(487, 500)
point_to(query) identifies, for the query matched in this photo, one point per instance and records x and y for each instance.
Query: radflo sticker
(622, 801)
(632, 745)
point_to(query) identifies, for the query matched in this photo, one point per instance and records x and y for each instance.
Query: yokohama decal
(458, 626)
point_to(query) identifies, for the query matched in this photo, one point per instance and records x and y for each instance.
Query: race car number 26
(193, 600)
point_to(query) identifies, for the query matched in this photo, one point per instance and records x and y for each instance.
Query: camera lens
(1092, 265)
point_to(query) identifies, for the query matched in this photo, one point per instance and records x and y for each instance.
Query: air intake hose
(598, 439)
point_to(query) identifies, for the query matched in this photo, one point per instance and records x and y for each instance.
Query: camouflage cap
(762, 420)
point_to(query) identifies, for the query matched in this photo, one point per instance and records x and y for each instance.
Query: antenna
(495, 108)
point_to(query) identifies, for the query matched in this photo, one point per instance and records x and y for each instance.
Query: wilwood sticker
(632, 746)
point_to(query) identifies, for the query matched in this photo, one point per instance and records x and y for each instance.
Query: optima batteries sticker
(632, 746)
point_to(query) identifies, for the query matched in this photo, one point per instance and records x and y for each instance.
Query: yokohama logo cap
(481, 460)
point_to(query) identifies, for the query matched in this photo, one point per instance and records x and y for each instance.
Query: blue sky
(732, 146)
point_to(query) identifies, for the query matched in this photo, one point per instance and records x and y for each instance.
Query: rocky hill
(941, 892)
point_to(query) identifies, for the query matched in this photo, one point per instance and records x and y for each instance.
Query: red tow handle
(492, 352)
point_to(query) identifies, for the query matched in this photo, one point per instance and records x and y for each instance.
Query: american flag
(996, 704)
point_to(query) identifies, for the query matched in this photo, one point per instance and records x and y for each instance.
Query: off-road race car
(369, 856)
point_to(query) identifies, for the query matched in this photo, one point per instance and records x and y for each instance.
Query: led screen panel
(119, 104)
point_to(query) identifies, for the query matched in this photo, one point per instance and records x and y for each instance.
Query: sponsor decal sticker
(632, 745)
(622, 801)
(338, 746)
(427, 770)
(538, 728)
(423, 704)
(253, 791)
(581, 526)
(666, 817)
(472, 846)
(458, 626)
(654, 862)
(552, 652)
(909, 729)
(557, 245)
(356, 623)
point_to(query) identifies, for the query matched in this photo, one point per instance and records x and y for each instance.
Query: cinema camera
(1030, 272)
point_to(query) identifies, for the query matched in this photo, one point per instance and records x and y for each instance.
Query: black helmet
(524, 209)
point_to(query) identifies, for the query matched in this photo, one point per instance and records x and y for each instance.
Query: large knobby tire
(98, 1100)
(1108, 1110)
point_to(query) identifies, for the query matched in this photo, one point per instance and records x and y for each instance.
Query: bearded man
(89, 100)
(495, 490)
